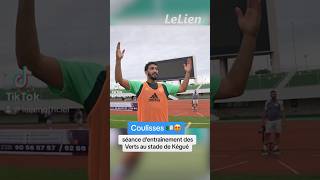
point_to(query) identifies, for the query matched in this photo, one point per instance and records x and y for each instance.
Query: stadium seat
(305, 78)
(265, 81)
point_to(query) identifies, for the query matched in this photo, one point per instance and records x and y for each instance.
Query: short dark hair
(148, 64)
(273, 91)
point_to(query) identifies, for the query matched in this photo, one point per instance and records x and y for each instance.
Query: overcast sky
(303, 18)
(160, 42)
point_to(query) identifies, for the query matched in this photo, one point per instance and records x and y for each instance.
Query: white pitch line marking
(231, 166)
(288, 167)
(200, 114)
(200, 123)
(178, 114)
(121, 120)
(188, 125)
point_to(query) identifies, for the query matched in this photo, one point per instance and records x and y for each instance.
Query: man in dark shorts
(195, 100)
(272, 120)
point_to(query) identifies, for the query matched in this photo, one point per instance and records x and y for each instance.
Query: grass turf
(120, 121)
(166, 166)
(15, 173)
(256, 177)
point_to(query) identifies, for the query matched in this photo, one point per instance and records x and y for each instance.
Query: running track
(235, 149)
(181, 108)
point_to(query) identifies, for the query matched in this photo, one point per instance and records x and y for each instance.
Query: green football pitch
(252, 177)
(14, 173)
(168, 166)
(143, 173)
(120, 121)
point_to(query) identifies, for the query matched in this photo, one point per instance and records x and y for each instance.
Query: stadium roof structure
(283, 93)
(291, 85)
(120, 93)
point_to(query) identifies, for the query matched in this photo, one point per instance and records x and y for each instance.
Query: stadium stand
(193, 86)
(3, 95)
(265, 81)
(205, 86)
(253, 110)
(289, 85)
(305, 78)
(203, 90)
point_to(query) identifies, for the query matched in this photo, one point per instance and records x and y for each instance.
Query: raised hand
(249, 22)
(119, 53)
(188, 65)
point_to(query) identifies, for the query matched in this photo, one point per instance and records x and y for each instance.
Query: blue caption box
(156, 128)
